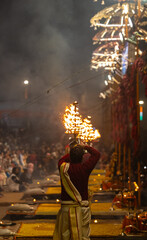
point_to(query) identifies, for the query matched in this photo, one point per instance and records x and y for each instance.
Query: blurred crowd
(21, 161)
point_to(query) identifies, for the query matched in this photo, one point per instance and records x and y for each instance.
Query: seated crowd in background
(20, 161)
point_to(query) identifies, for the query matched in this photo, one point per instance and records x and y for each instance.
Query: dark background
(49, 43)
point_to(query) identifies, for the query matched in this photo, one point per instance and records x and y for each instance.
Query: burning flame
(72, 119)
(87, 133)
(97, 134)
(73, 123)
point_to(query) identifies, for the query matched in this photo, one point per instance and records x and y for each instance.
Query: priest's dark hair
(76, 154)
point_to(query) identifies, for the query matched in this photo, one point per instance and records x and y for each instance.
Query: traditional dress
(74, 217)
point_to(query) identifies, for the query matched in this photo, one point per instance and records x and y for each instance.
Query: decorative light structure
(141, 24)
(106, 56)
(114, 23)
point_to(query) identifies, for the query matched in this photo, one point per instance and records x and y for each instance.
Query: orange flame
(82, 128)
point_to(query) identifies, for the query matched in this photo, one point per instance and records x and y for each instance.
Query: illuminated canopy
(113, 24)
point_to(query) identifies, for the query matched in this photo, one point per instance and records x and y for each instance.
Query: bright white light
(109, 77)
(141, 102)
(123, 32)
(102, 3)
(106, 83)
(121, 36)
(125, 8)
(26, 82)
(133, 11)
(145, 167)
(102, 95)
(130, 22)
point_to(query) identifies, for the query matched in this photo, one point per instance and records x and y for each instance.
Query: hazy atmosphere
(73, 132)
(48, 43)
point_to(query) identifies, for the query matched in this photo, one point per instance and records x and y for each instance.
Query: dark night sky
(44, 42)
(47, 42)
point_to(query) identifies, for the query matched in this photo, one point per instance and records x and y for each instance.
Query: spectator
(14, 184)
(26, 176)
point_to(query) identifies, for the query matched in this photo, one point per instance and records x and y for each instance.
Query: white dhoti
(73, 219)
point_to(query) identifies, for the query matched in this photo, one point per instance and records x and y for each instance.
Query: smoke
(47, 41)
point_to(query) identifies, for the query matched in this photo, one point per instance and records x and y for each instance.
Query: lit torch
(87, 133)
(72, 119)
(82, 129)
